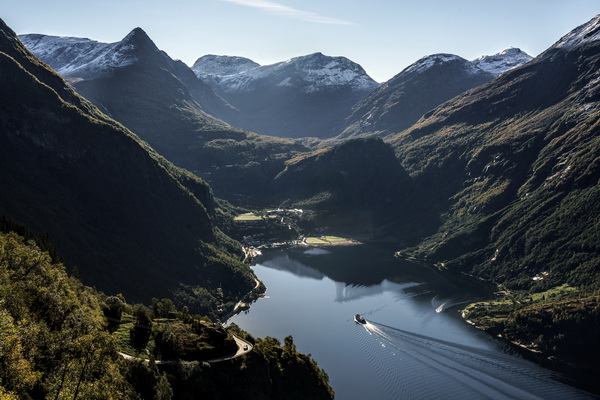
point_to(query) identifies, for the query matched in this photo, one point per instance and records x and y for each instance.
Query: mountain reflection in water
(345, 292)
(284, 262)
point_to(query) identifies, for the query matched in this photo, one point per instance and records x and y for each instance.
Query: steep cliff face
(127, 219)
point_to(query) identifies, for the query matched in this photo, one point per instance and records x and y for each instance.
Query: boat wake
(441, 305)
(413, 366)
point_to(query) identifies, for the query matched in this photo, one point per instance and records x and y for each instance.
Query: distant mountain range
(422, 86)
(308, 74)
(213, 67)
(309, 96)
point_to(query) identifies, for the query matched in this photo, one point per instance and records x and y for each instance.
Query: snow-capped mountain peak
(586, 33)
(430, 61)
(311, 73)
(81, 58)
(320, 71)
(494, 64)
(499, 63)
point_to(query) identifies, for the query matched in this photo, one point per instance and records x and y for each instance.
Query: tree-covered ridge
(52, 337)
(56, 342)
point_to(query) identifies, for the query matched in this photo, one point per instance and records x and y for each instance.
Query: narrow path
(244, 347)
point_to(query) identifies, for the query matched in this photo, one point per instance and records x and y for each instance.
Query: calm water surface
(414, 345)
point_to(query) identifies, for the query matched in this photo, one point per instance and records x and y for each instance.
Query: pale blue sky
(384, 36)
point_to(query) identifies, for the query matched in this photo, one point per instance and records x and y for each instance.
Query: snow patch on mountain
(285, 82)
(214, 66)
(80, 57)
(501, 62)
(586, 33)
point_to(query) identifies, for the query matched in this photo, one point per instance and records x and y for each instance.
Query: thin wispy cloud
(280, 9)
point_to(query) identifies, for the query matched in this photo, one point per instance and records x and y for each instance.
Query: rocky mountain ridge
(81, 58)
(421, 86)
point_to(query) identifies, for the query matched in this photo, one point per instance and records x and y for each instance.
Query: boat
(359, 319)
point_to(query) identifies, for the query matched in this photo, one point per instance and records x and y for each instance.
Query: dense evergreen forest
(63, 340)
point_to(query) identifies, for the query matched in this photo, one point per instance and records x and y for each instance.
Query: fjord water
(414, 344)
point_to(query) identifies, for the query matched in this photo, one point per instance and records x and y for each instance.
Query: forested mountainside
(126, 219)
(509, 176)
(516, 156)
(58, 340)
(422, 86)
(163, 102)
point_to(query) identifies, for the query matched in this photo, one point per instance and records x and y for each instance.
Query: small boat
(359, 319)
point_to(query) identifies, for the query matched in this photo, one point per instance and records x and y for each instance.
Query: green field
(326, 240)
(492, 313)
(248, 217)
(122, 335)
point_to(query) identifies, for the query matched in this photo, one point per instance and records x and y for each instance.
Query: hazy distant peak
(586, 33)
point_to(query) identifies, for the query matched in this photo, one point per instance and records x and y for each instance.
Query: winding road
(244, 347)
